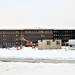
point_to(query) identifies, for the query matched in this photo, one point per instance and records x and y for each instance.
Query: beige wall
(42, 44)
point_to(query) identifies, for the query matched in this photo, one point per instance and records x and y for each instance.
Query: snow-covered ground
(28, 52)
(11, 68)
(22, 68)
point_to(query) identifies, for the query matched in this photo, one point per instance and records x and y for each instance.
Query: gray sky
(37, 13)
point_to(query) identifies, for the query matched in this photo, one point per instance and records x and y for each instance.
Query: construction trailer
(49, 44)
(71, 44)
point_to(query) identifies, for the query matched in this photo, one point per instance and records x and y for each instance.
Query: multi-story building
(8, 36)
(38, 34)
(64, 34)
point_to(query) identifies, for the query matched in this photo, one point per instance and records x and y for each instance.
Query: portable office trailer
(49, 44)
(71, 44)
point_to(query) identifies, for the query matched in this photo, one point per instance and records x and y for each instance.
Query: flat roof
(35, 29)
(27, 29)
(63, 29)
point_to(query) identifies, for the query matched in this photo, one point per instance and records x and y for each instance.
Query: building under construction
(8, 36)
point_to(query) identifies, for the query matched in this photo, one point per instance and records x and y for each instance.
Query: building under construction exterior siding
(8, 36)
(63, 34)
(38, 34)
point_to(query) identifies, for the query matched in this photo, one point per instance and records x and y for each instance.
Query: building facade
(8, 36)
(63, 34)
(38, 34)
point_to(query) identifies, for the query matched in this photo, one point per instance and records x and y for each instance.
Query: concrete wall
(49, 44)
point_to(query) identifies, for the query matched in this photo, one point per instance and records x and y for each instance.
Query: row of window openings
(9, 43)
(19, 31)
(6, 43)
(37, 31)
(7, 39)
(64, 35)
(9, 31)
(41, 35)
(63, 31)
(9, 35)
(60, 38)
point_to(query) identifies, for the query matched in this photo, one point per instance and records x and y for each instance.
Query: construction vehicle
(28, 43)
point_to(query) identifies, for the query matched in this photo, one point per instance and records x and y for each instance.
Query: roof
(33, 29)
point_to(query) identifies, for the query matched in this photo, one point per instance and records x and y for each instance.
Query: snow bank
(11, 68)
(28, 52)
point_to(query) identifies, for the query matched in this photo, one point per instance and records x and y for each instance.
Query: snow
(11, 68)
(23, 68)
(28, 52)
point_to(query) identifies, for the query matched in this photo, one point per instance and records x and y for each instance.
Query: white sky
(37, 13)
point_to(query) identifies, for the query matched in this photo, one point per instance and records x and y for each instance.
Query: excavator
(28, 43)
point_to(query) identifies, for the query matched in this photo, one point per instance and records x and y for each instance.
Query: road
(30, 60)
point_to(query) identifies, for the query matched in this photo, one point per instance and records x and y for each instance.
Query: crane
(28, 44)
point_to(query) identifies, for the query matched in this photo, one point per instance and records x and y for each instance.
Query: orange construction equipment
(28, 44)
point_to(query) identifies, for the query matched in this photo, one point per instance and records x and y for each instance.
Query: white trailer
(71, 43)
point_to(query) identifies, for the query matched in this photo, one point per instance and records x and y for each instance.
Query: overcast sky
(37, 13)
